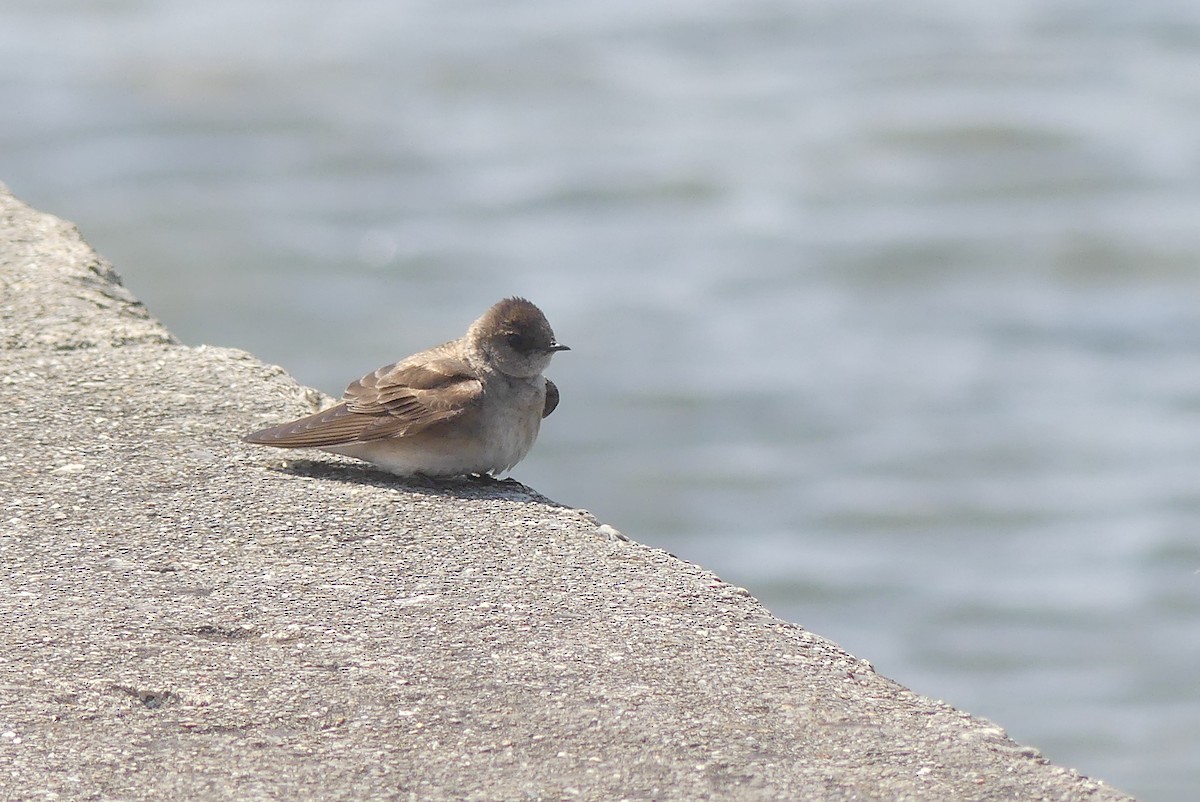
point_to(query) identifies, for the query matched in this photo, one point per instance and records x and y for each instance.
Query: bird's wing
(394, 401)
(551, 398)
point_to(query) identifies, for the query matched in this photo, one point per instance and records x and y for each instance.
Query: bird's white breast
(512, 416)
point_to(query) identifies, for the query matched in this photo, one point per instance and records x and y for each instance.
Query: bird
(471, 406)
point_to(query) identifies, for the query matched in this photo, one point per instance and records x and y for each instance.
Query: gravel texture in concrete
(183, 616)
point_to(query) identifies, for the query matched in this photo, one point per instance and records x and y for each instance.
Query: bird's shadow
(466, 487)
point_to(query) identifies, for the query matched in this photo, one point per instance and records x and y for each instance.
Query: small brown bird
(469, 406)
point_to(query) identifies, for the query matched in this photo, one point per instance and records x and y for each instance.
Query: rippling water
(886, 311)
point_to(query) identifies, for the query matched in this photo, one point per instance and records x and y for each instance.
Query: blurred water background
(887, 311)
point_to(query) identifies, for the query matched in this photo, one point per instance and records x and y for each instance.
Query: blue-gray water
(889, 312)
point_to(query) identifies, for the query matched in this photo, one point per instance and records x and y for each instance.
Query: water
(886, 311)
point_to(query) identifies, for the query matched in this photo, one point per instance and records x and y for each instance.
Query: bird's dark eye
(516, 341)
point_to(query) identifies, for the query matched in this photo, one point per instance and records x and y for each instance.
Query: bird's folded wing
(551, 398)
(394, 401)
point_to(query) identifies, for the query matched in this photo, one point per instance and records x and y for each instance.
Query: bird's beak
(556, 347)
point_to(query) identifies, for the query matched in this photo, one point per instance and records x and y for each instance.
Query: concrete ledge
(185, 617)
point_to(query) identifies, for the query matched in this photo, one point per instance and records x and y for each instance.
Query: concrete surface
(186, 617)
